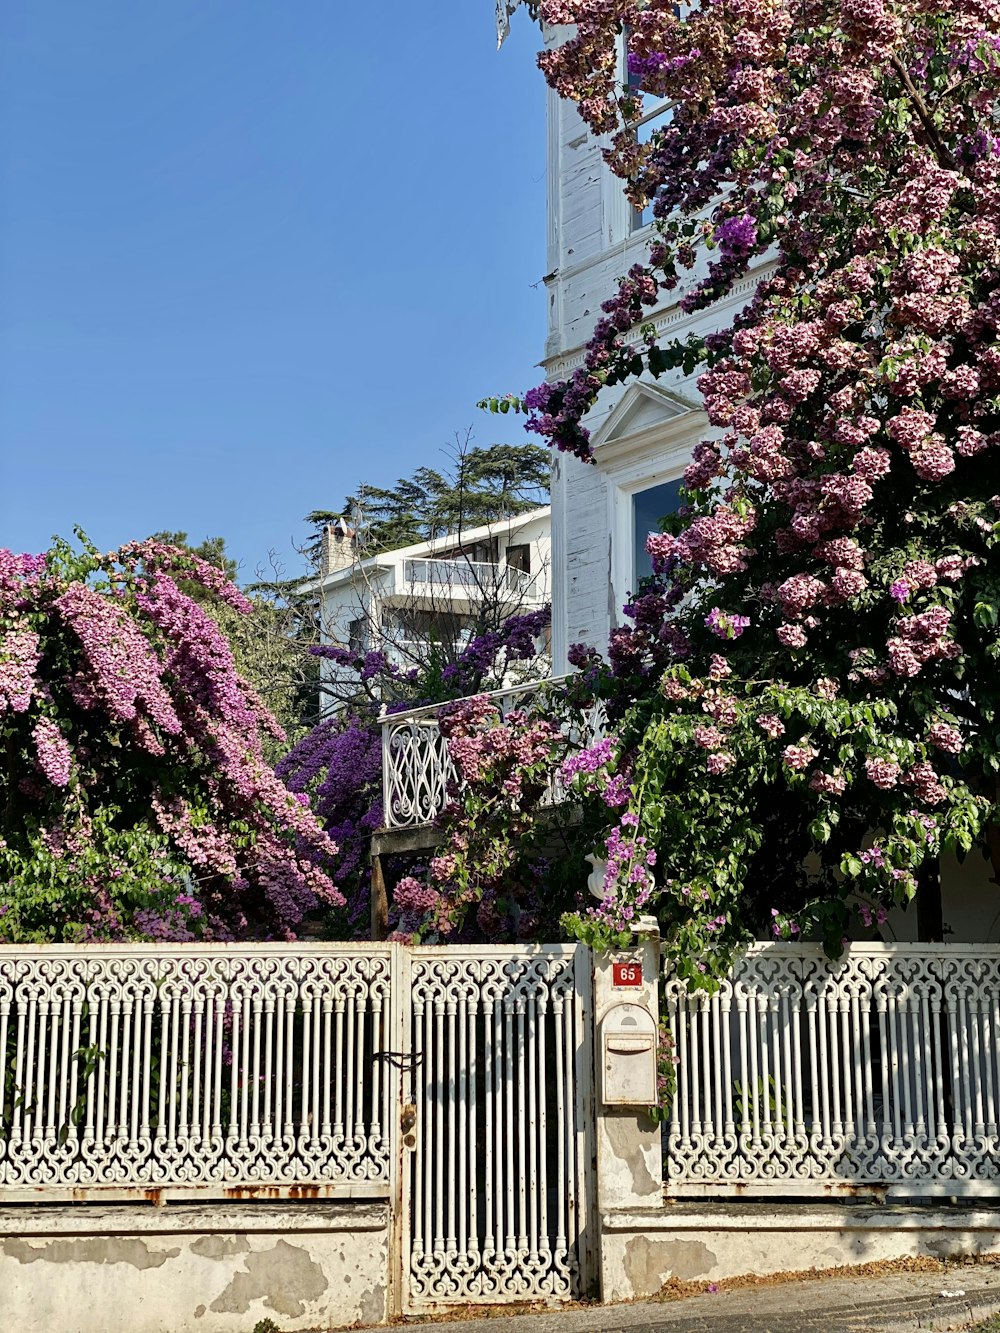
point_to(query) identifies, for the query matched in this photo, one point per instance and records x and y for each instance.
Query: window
(656, 118)
(357, 637)
(654, 114)
(519, 557)
(649, 508)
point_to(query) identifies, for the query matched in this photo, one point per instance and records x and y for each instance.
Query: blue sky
(253, 252)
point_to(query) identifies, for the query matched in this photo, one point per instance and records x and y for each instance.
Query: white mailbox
(629, 1056)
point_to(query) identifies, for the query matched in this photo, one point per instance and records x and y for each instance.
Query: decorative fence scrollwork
(801, 1074)
(141, 1067)
(416, 767)
(496, 1190)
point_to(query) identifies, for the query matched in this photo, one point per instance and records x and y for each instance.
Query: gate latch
(407, 1124)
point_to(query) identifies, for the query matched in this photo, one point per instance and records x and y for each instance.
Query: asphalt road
(955, 1298)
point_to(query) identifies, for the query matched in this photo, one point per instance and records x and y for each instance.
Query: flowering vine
(804, 691)
(135, 800)
(339, 762)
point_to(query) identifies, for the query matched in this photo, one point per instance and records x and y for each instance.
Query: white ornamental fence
(803, 1076)
(416, 767)
(195, 1069)
(454, 1083)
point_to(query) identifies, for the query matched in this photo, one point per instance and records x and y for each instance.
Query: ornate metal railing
(803, 1075)
(234, 1070)
(416, 768)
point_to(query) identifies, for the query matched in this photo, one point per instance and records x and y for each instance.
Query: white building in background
(437, 592)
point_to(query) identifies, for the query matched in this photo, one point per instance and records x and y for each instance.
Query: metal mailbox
(629, 1056)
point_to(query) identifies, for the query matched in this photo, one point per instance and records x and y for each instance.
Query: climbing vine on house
(805, 697)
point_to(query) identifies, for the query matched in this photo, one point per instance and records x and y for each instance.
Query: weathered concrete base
(641, 1249)
(206, 1268)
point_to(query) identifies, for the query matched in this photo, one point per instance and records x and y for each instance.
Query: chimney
(338, 547)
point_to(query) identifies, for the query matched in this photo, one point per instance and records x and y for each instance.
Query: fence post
(629, 1155)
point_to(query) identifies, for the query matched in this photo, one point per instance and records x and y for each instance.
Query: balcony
(470, 578)
(416, 767)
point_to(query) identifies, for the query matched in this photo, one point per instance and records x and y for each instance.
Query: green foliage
(484, 485)
(52, 874)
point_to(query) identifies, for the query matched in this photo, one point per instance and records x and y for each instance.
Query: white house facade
(642, 434)
(437, 592)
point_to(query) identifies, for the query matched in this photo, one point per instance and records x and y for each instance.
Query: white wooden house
(643, 434)
(441, 591)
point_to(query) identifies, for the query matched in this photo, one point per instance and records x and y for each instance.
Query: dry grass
(675, 1289)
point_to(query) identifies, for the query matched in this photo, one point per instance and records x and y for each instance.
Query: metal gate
(454, 1083)
(497, 1125)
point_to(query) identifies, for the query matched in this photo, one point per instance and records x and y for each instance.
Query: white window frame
(635, 463)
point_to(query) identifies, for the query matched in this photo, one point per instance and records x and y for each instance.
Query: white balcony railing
(803, 1076)
(416, 768)
(467, 576)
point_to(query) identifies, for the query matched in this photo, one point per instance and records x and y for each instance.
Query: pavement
(955, 1297)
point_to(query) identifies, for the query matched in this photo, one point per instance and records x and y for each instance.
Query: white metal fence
(416, 767)
(195, 1069)
(455, 1082)
(501, 1099)
(801, 1075)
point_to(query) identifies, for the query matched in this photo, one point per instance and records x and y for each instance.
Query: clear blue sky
(253, 252)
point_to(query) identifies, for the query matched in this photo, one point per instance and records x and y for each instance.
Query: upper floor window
(655, 119)
(654, 113)
(519, 557)
(357, 636)
(649, 508)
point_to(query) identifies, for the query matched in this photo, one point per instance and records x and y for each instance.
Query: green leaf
(819, 830)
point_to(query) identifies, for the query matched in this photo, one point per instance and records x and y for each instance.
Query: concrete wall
(641, 1250)
(214, 1267)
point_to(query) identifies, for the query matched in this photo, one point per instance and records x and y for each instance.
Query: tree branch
(944, 154)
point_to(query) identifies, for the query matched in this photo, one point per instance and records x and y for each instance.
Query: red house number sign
(626, 974)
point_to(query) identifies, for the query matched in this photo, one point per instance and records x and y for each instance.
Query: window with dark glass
(357, 636)
(649, 509)
(519, 557)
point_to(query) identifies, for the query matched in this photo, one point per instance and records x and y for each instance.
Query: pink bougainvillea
(146, 807)
(844, 154)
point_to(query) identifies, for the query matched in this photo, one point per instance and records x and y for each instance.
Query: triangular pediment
(642, 408)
